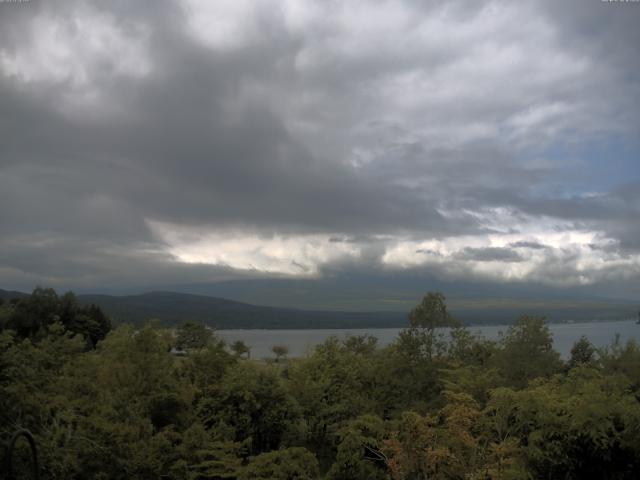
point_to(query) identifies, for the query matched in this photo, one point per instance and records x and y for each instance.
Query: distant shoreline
(302, 341)
(468, 325)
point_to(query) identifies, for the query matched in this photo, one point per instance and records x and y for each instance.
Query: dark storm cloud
(189, 148)
(313, 123)
(528, 244)
(489, 254)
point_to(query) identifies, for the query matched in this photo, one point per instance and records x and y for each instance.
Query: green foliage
(421, 338)
(427, 406)
(431, 313)
(361, 344)
(358, 455)
(582, 353)
(470, 349)
(527, 352)
(332, 386)
(449, 444)
(26, 369)
(240, 348)
(581, 426)
(623, 359)
(6, 312)
(289, 464)
(204, 369)
(407, 371)
(251, 404)
(31, 316)
(202, 456)
(192, 336)
(280, 351)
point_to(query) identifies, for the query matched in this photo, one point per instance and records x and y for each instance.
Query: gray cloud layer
(137, 137)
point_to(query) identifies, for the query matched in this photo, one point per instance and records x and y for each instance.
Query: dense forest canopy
(154, 403)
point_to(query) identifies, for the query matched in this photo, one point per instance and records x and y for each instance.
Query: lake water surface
(301, 342)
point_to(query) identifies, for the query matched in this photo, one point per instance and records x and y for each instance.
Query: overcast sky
(154, 143)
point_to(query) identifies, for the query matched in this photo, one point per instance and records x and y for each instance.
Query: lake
(301, 342)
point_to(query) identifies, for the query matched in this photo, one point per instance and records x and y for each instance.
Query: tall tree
(294, 463)
(192, 335)
(431, 312)
(582, 353)
(527, 352)
(280, 351)
(240, 348)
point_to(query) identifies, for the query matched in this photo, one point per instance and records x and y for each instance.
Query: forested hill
(174, 308)
(10, 294)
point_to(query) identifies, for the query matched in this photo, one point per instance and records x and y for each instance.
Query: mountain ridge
(173, 308)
